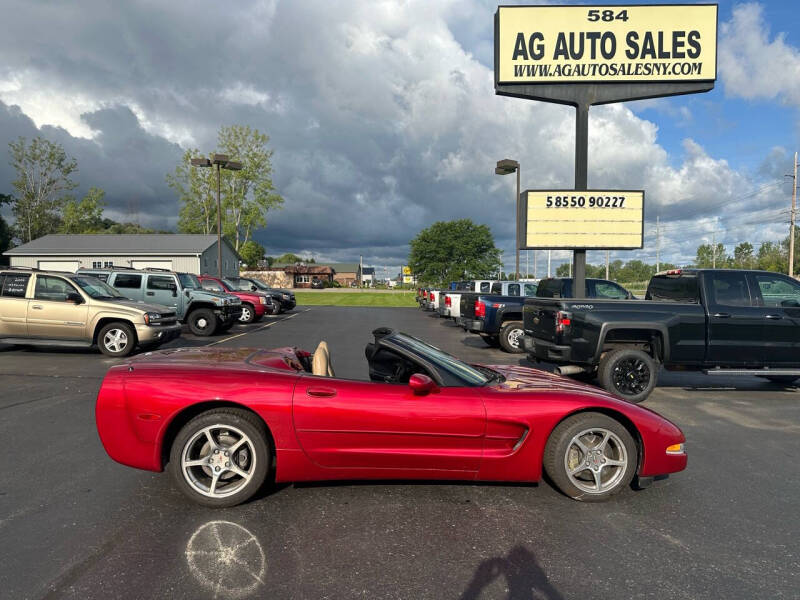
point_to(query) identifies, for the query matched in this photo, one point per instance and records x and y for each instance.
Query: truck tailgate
(539, 317)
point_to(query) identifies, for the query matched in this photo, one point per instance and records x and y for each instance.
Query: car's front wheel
(590, 457)
(221, 457)
(202, 322)
(248, 314)
(116, 339)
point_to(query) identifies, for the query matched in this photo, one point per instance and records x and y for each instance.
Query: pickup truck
(450, 304)
(497, 315)
(561, 287)
(731, 322)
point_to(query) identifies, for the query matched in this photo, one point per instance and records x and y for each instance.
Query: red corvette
(222, 420)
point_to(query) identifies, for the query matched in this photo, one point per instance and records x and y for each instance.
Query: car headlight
(676, 449)
(218, 301)
(285, 296)
(151, 316)
(262, 299)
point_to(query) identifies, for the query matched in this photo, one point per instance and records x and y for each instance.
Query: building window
(301, 279)
(108, 264)
(96, 264)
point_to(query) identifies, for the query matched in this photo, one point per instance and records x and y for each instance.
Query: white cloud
(753, 65)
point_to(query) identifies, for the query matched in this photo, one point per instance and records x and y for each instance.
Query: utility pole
(607, 254)
(534, 264)
(658, 244)
(714, 249)
(527, 256)
(791, 222)
(549, 257)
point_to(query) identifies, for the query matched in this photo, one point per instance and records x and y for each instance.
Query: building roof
(343, 267)
(101, 243)
(303, 269)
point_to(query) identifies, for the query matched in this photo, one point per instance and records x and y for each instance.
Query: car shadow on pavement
(525, 578)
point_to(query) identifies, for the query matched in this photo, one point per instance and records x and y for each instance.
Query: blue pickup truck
(497, 315)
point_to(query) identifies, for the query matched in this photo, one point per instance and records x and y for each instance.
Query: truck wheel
(590, 457)
(491, 340)
(248, 314)
(628, 373)
(202, 322)
(511, 337)
(116, 339)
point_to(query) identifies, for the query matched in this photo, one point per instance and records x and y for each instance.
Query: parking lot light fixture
(506, 167)
(221, 162)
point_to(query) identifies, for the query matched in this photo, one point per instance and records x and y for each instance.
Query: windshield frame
(191, 278)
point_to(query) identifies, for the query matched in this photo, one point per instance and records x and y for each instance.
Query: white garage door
(151, 264)
(59, 265)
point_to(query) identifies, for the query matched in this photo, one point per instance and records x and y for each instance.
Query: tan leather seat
(321, 364)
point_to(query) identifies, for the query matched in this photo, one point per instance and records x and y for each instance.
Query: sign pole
(581, 184)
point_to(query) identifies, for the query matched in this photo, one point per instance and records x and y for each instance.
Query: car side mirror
(253, 288)
(422, 385)
(74, 297)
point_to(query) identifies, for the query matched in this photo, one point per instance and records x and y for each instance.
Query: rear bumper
(546, 350)
(475, 325)
(444, 311)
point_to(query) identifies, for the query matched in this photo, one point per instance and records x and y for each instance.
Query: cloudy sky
(383, 118)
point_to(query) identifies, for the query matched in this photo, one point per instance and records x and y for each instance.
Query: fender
(609, 326)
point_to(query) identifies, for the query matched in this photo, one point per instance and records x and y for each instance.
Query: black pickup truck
(718, 321)
(497, 315)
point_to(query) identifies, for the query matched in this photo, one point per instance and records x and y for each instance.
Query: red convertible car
(223, 420)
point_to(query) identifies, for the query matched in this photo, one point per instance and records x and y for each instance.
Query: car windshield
(237, 285)
(259, 284)
(444, 361)
(189, 281)
(96, 288)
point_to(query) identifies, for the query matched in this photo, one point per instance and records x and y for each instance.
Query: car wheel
(221, 457)
(203, 322)
(116, 339)
(628, 373)
(590, 457)
(781, 379)
(226, 325)
(511, 337)
(491, 340)
(248, 314)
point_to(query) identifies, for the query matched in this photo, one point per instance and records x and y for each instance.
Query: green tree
(563, 270)
(711, 257)
(43, 180)
(771, 257)
(452, 251)
(251, 252)
(248, 194)
(85, 216)
(5, 230)
(743, 257)
(290, 259)
(197, 194)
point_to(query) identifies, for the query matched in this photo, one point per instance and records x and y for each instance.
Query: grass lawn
(355, 299)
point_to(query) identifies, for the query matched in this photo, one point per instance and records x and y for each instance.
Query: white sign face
(593, 219)
(607, 43)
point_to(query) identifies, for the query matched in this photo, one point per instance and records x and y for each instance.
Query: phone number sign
(586, 44)
(592, 219)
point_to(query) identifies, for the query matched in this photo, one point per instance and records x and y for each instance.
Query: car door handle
(37, 307)
(773, 317)
(150, 293)
(321, 392)
(722, 315)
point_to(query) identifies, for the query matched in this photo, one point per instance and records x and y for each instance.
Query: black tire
(491, 340)
(248, 313)
(576, 472)
(203, 322)
(511, 337)
(255, 463)
(226, 325)
(628, 373)
(116, 339)
(781, 379)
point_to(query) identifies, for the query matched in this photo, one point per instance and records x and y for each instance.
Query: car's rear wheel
(248, 314)
(511, 337)
(202, 322)
(628, 373)
(116, 339)
(491, 340)
(221, 457)
(590, 457)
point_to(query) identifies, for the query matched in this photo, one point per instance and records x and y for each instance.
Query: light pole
(506, 167)
(221, 161)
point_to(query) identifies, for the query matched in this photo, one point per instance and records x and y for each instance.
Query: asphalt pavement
(74, 524)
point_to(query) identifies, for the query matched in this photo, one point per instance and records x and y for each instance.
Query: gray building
(190, 253)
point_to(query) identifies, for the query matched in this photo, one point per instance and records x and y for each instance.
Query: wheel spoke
(581, 467)
(243, 474)
(583, 447)
(211, 441)
(200, 462)
(603, 443)
(214, 479)
(610, 462)
(597, 479)
(236, 446)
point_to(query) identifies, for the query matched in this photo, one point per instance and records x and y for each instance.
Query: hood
(223, 295)
(526, 378)
(139, 305)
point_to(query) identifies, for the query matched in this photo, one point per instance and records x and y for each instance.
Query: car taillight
(447, 301)
(480, 309)
(563, 320)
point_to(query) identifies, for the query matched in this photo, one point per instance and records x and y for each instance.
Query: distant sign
(606, 43)
(594, 219)
(406, 270)
(408, 279)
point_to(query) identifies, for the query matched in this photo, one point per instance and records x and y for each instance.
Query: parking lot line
(270, 324)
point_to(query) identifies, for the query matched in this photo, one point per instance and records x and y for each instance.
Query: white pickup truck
(449, 305)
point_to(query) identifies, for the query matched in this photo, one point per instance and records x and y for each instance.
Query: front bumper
(157, 334)
(229, 313)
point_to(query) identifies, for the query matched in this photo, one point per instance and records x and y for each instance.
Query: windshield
(442, 360)
(259, 284)
(189, 281)
(96, 288)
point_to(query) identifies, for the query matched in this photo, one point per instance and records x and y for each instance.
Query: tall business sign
(587, 55)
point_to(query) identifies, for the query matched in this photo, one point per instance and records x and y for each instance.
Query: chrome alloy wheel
(246, 315)
(115, 340)
(218, 460)
(202, 323)
(595, 460)
(515, 336)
